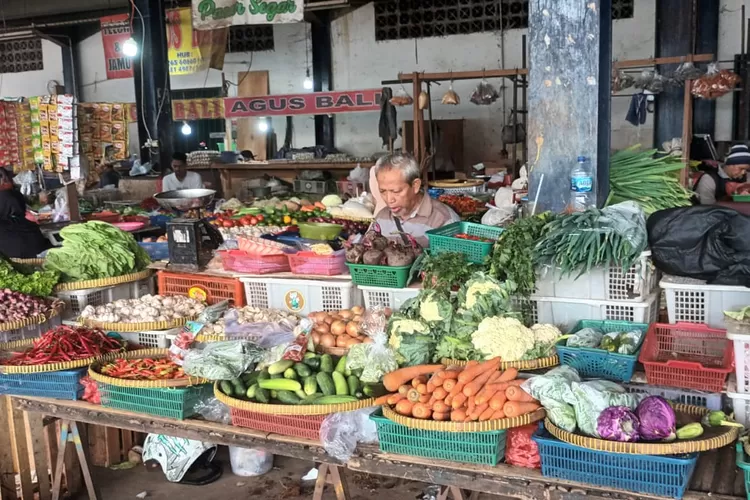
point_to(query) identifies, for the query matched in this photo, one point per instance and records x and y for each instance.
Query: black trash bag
(702, 242)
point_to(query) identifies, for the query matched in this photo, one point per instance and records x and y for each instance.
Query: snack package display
(484, 95)
(715, 83)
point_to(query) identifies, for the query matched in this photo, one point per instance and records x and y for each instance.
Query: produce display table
(716, 471)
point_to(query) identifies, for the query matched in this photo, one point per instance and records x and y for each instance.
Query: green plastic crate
(744, 464)
(487, 448)
(178, 402)
(741, 197)
(385, 276)
(443, 239)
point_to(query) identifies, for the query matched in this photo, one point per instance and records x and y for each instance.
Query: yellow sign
(294, 300)
(184, 54)
(198, 293)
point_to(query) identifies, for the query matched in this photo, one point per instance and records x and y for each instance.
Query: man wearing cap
(720, 183)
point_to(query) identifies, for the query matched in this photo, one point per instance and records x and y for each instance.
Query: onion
(338, 327)
(342, 341)
(322, 328)
(327, 340)
(357, 319)
(357, 310)
(328, 319)
(316, 337)
(352, 329)
(345, 314)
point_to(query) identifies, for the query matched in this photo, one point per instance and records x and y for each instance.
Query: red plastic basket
(322, 265)
(301, 426)
(242, 262)
(217, 289)
(687, 355)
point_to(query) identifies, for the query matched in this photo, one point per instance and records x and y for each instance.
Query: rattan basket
(443, 426)
(103, 282)
(49, 367)
(521, 365)
(29, 262)
(56, 307)
(136, 327)
(712, 438)
(142, 384)
(308, 410)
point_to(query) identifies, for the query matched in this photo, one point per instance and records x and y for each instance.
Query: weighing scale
(191, 240)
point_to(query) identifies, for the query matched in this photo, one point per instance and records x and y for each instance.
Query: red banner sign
(198, 109)
(115, 30)
(317, 103)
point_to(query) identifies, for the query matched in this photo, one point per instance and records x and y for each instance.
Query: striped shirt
(430, 214)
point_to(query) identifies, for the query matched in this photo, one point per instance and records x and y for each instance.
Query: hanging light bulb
(308, 83)
(263, 125)
(130, 47)
(186, 128)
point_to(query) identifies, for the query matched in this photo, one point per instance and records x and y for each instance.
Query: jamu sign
(317, 103)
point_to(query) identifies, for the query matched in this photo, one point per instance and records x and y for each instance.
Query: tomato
(253, 221)
(260, 217)
(227, 223)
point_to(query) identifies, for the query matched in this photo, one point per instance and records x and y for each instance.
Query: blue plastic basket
(160, 220)
(598, 363)
(156, 250)
(59, 385)
(667, 476)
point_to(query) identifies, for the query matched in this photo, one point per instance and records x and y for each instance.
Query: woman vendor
(720, 183)
(408, 209)
(19, 238)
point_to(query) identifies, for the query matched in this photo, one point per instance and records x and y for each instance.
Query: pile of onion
(339, 328)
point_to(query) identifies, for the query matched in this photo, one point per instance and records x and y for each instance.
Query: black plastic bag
(703, 242)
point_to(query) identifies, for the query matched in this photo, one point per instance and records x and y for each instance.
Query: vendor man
(181, 178)
(408, 208)
(719, 184)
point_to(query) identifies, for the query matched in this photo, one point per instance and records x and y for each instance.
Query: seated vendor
(720, 183)
(408, 208)
(19, 238)
(181, 178)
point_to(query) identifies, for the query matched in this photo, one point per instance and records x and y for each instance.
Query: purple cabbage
(658, 421)
(618, 423)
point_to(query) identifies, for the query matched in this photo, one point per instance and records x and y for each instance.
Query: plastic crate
(160, 220)
(150, 338)
(319, 265)
(687, 355)
(486, 448)
(693, 301)
(710, 400)
(443, 239)
(301, 426)
(310, 187)
(662, 475)
(383, 276)
(156, 250)
(178, 402)
(77, 300)
(241, 262)
(59, 385)
(598, 363)
(636, 284)
(565, 313)
(300, 296)
(741, 346)
(743, 463)
(216, 288)
(387, 297)
(30, 331)
(741, 407)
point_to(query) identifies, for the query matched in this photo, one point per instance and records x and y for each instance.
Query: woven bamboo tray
(442, 426)
(136, 327)
(29, 262)
(522, 365)
(455, 183)
(142, 384)
(308, 410)
(56, 307)
(712, 438)
(19, 345)
(333, 351)
(354, 219)
(103, 282)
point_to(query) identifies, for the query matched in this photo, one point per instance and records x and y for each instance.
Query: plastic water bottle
(581, 186)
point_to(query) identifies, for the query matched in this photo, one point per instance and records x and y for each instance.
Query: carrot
(404, 389)
(471, 363)
(393, 380)
(458, 416)
(486, 414)
(470, 404)
(457, 389)
(474, 415)
(441, 416)
(514, 393)
(487, 393)
(516, 409)
(473, 372)
(498, 415)
(508, 375)
(496, 375)
(458, 401)
(440, 393)
(473, 387)
(382, 400)
(429, 387)
(395, 398)
(498, 400)
(449, 384)
(437, 379)
(440, 407)
(450, 375)
(421, 411)
(413, 395)
(404, 407)
(422, 388)
(425, 398)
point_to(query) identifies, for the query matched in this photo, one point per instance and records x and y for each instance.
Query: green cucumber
(301, 394)
(341, 365)
(290, 374)
(313, 362)
(312, 398)
(251, 391)
(280, 366)
(334, 400)
(226, 387)
(374, 390)
(263, 375)
(326, 363)
(339, 381)
(238, 387)
(249, 378)
(325, 384)
(353, 383)
(276, 376)
(280, 384)
(288, 397)
(311, 385)
(302, 370)
(262, 395)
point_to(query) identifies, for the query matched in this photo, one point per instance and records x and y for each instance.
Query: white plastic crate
(152, 338)
(741, 361)
(77, 300)
(387, 297)
(741, 407)
(710, 400)
(30, 331)
(693, 301)
(635, 285)
(301, 296)
(565, 313)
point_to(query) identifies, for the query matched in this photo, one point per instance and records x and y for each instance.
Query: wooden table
(716, 471)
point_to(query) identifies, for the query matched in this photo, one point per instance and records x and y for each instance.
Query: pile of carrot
(477, 392)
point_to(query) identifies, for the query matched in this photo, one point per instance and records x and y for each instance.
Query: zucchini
(341, 365)
(290, 374)
(251, 391)
(334, 400)
(311, 385)
(302, 370)
(226, 387)
(262, 396)
(326, 363)
(353, 383)
(287, 397)
(339, 381)
(280, 367)
(325, 384)
(280, 384)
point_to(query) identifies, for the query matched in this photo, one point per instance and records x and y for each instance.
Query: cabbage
(658, 421)
(332, 200)
(618, 423)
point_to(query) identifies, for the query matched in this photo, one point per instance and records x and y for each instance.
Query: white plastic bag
(360, 174)
(250, 462)
(340, 432)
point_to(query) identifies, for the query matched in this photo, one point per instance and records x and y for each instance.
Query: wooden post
(20, 450)
(7, 471)
(687, 130)
(416, 89)
(333, 475)
(36, 443)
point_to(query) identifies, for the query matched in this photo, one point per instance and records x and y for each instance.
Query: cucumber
(275, 376)
(334, 400)
(325, 384)
(353, 383)
(263, 375)
(249, 378)
(290, 374)
(251, 391)
(301, 394)
(311, 385)
(339, 381)
(281, 384)
(288, 398)
(262, 395)
(341, 365)
(226, 387)
(274, 394)
(280, 366)
(309, 355)
(374, 390)
(239, 387)
(326, 363)
(312, 398)
(313, 362)
(302, 370)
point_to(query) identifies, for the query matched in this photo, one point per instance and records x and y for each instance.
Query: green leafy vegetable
(38, 283)
(447, 270)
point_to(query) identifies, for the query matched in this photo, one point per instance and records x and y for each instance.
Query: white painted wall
(33, 83)
(730, 29)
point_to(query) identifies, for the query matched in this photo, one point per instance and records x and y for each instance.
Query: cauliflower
(434, 307)
(478, 289)
(504, 337)
(545, 338)
(404, 326)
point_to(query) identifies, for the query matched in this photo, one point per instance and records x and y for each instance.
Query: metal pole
(524, 108)
(432, 138)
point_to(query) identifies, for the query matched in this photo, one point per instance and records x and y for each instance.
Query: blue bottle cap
(581, 158)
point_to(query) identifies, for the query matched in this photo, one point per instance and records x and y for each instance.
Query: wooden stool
(69, 434)
(457, 493)
(333, 475)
